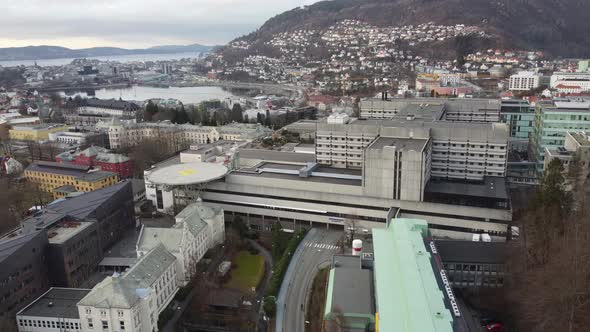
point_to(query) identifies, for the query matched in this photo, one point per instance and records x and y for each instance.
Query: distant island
(57, 52)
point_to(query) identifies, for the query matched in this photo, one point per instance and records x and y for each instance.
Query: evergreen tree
(246, 118)
(267, 119)
(236, 113)
(205, 118)
(181, 116)
(259, 118)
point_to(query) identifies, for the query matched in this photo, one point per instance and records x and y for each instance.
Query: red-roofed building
(568, 88)
(100, 157)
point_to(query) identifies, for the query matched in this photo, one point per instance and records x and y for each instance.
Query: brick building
(96, 156)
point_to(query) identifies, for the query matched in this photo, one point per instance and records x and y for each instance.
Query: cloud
(133, 23)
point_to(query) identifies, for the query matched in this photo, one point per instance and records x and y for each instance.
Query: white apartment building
(524, 81)
(198, 228)
(69, 137)
(111, 107)
(574, 82)
(182, 136)
(132, 302)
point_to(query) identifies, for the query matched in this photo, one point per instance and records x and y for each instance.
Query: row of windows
(50, 324)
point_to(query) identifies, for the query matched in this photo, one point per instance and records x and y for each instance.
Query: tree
(236, 113)
(267, 119)
(246, 118)
(181, 116)
(151, 110)
(553, 295)
(205, 118)
(259, 118)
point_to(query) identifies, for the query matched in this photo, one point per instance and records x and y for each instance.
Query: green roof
(408, 294)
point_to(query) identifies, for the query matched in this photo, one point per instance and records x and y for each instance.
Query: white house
(133, 301)
(198, 228)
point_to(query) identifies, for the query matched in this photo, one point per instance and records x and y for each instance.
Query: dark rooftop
(492, 187)
(65, 189)
(56, 303)
(315, 179)
(113, 104)
(57, 168)
(79, 207)
(11, 243)
(352, 290)
(272, 155)
(96, 176)
(457, 251)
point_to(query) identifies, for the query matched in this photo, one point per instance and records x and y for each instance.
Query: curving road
(314, 252)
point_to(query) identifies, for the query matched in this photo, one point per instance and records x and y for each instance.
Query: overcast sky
(133, 23)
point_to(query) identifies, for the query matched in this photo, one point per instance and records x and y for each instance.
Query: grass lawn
(248, 273)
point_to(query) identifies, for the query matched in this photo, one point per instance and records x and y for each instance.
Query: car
(495, 327)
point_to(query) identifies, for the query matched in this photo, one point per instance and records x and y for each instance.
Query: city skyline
(133, 23)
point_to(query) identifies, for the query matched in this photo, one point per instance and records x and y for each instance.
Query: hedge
(280, 267)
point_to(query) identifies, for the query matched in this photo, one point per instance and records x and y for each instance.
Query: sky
(133, 23)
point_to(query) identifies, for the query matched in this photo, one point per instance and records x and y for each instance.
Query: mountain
(56, 52)
(558, 27)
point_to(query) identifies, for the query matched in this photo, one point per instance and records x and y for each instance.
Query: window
(122, 325)
(90, 324)
(88, 311)
(120, 313)
(105, 325)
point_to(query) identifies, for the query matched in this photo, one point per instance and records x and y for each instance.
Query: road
(315, 251)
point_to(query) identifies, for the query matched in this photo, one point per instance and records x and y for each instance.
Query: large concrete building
(450, 150)
(453, 109)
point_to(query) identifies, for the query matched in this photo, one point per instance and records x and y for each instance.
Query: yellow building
(36, 133)
(63, 179)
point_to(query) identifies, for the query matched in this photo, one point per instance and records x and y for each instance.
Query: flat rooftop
(313, 179)
(582, 138)
(320, 174)
(350, 290)
(42, 126)
(63, 231)
(56, 303)
(409, 297)
(96, 176)
(403, 144)
(188, 173)
(278, 156)
(57, 168)
(492, 187)
(457, 251)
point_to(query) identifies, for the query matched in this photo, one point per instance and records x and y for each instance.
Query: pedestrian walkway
(321, 245)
